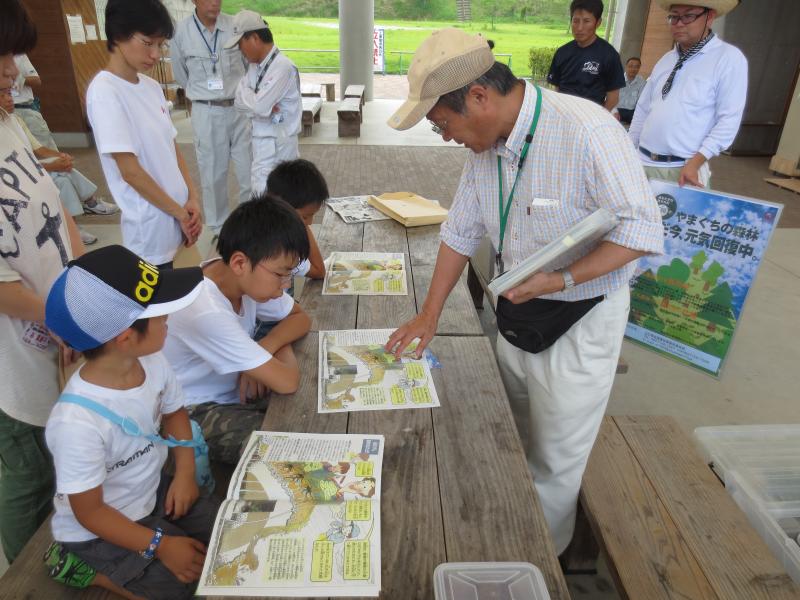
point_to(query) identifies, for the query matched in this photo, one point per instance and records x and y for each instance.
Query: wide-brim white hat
(721, 7)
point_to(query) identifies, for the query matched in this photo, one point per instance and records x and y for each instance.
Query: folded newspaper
(356, 209)
(558, 253)
(302, 518)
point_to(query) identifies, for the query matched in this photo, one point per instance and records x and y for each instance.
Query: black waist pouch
(535, 325)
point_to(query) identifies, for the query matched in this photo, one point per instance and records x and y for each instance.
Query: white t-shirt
(21, 93)
(89, 450)
(34, 248)
(208, 344)
(134, 118)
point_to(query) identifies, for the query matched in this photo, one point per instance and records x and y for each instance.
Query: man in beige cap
(269, 94)
(691, 108)
(541, 161)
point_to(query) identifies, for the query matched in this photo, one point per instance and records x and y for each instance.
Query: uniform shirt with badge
(89, 450)
(134, 118)
(208, 344)
(201, 64)
(34, 248)
(589, 72)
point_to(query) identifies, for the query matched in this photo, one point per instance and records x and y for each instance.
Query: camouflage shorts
(227, 427)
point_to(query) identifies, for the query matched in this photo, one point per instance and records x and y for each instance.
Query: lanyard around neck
(212, 50)
(505, 210)
(264, 70)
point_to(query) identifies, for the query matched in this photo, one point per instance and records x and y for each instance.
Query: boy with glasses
(135, 137)
(225, 374)
(692, 105)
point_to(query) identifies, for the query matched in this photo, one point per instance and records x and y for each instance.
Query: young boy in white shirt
(120, 523)
(224, 373)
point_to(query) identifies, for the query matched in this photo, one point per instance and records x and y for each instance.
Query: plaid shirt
(580, 160)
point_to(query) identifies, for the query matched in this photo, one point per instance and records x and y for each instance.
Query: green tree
(711, 275)
(673, 278)
(718, 309)
(698, 260)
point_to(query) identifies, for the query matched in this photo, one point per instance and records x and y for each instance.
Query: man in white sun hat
(559, 158)
(269, 94)
(691, 108)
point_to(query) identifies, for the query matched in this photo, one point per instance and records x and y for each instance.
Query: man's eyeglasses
(284, 278)
(162, 47)
(438, 129)
(685, 18)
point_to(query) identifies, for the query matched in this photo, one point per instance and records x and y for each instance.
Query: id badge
(215, 84)
(36, 336)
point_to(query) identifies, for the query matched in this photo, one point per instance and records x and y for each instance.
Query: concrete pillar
(356, 23)
(632, 33)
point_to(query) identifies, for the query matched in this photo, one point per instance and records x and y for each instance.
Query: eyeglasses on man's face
(163, 47)
(436, 128)
(685, 18)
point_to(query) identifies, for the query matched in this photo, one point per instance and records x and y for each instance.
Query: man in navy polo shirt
(588, 66)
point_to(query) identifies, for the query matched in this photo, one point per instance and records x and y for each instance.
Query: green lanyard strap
(505, 210)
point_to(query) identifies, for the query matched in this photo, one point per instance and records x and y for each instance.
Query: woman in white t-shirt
(135, 138)
(37, 239)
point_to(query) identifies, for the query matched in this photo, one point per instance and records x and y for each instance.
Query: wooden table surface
(456, 485)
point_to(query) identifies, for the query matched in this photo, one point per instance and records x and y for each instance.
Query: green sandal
(65, 567)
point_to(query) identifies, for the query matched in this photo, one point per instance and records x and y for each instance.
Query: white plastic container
(760, 465)
(489, 581)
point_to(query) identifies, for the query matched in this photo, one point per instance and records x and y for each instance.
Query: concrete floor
(758, 383)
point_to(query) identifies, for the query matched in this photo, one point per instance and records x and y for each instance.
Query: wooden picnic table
(455, 482)
(456, 485)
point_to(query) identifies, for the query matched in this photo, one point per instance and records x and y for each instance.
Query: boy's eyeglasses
(685, 18)
(162, 47)
(284, 278)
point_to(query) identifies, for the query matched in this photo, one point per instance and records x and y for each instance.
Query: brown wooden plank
(735, 560)
(332, 312)
(423, 244)
(458, 316)
(379, 312)
(647, 555)
(489, 506)
(412, 540)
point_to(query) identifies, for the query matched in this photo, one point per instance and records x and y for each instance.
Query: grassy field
(306, 33)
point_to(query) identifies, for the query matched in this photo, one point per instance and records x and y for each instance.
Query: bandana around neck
(683, 56)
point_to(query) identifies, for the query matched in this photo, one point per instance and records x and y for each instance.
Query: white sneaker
(87, 238)
(100, 207)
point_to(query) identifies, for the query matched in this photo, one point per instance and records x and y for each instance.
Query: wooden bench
(349, 114)
(665, 524)
(311, 90)
(311, 114)
(354, 91)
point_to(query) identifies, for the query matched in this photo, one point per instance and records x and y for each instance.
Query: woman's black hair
(126, 17)
(17, 31)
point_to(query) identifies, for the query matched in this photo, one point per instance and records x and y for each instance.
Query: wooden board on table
(332, 312)
(489, 506)
(735, 560)
(385, 312)
(793, 185)
(647, 555)
(459, 316)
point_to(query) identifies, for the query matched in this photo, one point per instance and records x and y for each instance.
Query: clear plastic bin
(489, 581)
(760, 465)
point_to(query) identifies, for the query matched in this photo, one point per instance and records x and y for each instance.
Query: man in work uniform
(540, 162)
(210, 73)
(269, 94)
(691, 107)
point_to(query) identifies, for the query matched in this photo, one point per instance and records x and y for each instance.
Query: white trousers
(74, 189)
(38, 126)
(267, 153)
(558, 398)
(221, 135)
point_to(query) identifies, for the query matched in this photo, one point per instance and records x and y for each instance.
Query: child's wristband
(150, 552)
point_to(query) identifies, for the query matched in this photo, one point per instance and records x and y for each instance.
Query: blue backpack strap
(127, 424)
